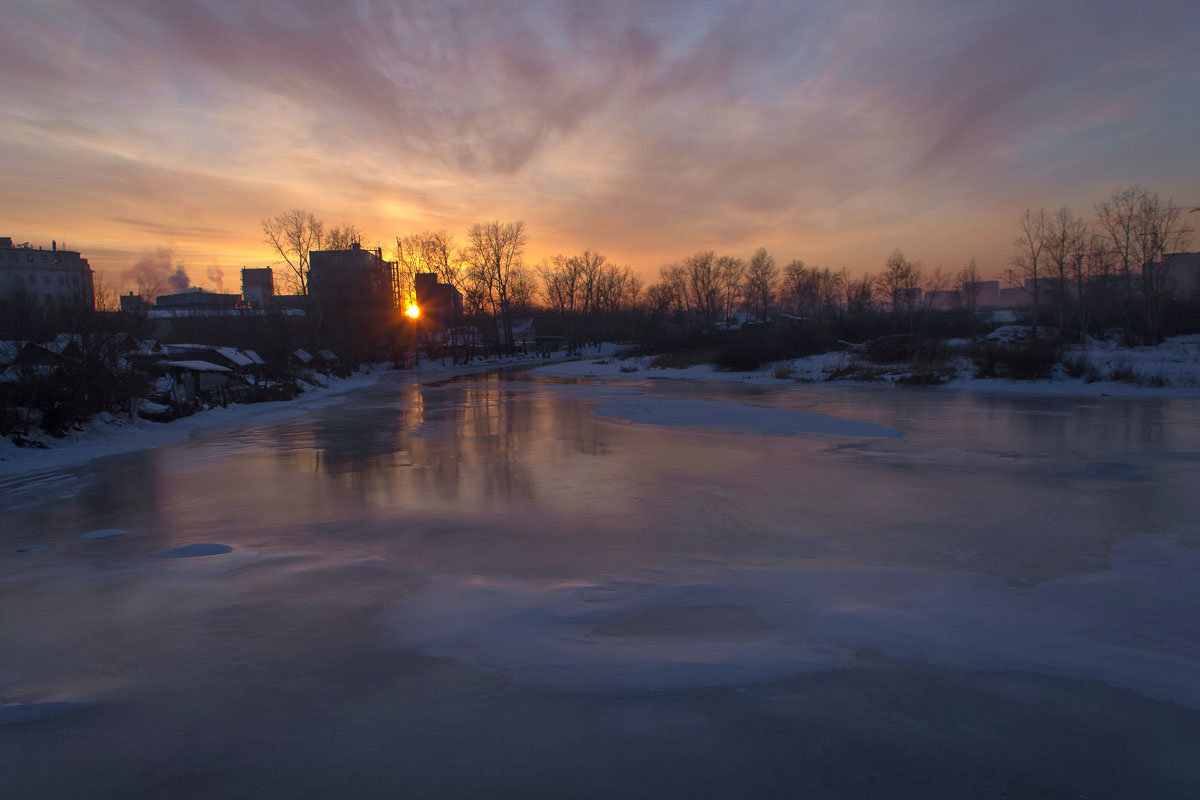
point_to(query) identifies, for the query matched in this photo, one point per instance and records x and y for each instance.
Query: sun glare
(413, 311)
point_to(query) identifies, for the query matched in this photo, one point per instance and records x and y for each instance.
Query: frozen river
(508, 586)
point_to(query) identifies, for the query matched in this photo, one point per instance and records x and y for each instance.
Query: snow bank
(1171, 369)
(106, 435)
(730, 415)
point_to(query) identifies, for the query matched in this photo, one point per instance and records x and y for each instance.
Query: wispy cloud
(830, 130)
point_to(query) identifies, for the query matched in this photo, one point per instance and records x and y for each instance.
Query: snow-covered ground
(1171, 369)
(106, 434)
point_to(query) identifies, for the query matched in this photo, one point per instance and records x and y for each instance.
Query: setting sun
(413, 311)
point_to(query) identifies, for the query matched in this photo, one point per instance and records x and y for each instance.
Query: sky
(161, 133)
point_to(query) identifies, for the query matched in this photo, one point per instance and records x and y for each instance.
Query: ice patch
(195, 550)
(721, 627)
(17, 713)
(730, 415)
(34, 548)
(103, 533)
(685, 621)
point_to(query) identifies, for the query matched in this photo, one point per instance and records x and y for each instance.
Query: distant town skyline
(829, 132)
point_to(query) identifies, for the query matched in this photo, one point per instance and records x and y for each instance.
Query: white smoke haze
(216, 279)
(153, 274)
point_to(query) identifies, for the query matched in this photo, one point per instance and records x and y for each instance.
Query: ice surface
(482, 588)
(737, 416)
(195, 550)
(103, 533)
(16, 713)
(734, 626)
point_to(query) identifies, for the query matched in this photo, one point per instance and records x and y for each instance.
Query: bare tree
(1117, 217)
(442, 257)
(815, 292)
(967, 284)
(342, 237)
(794, 287)
(902, 280)
(1161, 229)
(105, 298)
(494, 250)
(673, 287)
(860, 294)
(1066, 236)
(560, 283)
(730, 271)
(761, 277)
(937, 283)
(294, 234)
(1092, 274)
(1030, 244)
(522, 289)
(703, 281)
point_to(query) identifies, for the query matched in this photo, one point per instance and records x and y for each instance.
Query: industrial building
(197, 299)
(51, 277)
(258, 286)
(355, 277)
(440, 303)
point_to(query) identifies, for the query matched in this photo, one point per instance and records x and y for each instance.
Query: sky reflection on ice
(409, 563)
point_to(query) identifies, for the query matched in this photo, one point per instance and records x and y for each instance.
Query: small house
(194, 379)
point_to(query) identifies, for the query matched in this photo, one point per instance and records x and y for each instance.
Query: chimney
(54, 245)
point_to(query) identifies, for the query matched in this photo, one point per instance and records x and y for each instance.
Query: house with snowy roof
(193, 377)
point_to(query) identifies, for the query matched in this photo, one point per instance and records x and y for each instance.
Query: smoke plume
(179, 280)
(153, 274)
(216, 279)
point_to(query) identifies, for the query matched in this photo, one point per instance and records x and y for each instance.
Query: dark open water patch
(195, 550)
(103, 533)
(17, 713)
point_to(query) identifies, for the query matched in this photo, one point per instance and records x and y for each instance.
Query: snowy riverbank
(106, 434)
(1172, 369)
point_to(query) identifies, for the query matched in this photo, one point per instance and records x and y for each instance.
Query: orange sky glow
(832, 133)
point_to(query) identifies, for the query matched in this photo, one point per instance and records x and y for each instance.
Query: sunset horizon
(594, 399)
(647, 133)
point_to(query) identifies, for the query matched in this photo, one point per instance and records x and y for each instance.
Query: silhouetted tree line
(1089, 275)
(1082, 276)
